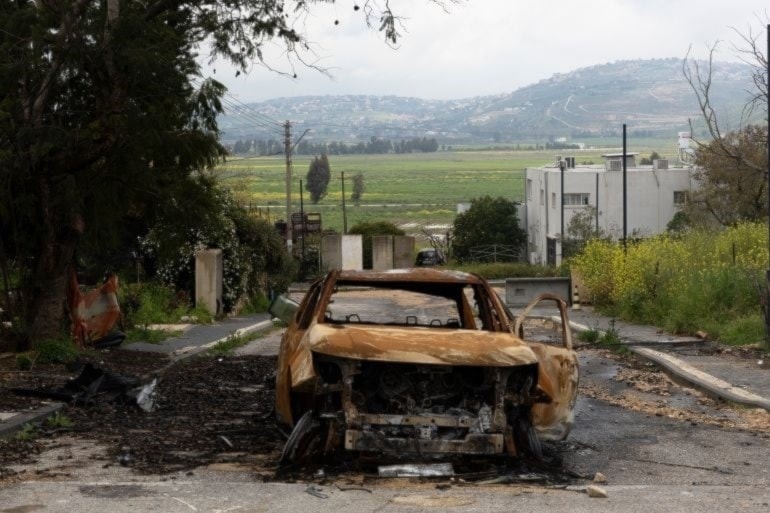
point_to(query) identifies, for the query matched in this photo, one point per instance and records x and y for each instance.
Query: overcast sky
(483, 47)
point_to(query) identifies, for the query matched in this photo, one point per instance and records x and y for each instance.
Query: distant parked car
(429, 257)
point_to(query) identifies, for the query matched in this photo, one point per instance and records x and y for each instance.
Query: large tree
(104, 116)
(729, 189)
(318, 175)
(490, 222)
(732, 162)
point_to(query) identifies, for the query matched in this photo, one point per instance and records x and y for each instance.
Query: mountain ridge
(651, 96)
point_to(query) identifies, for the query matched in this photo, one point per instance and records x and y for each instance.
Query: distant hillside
(651, 96)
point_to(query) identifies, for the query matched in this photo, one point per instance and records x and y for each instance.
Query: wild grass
(702, 281)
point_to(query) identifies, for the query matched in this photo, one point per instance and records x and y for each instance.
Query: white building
(654, 195)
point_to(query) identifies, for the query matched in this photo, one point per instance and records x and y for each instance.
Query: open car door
(557, 375)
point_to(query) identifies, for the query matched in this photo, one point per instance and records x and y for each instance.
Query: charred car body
(430, 362)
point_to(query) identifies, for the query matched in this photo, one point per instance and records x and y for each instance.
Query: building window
(681, 197)
(553, 200)
(542, 197)
(529, 190)
(579, 199)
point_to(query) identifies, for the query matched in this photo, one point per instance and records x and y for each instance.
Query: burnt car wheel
(526, 438)
(303, 440)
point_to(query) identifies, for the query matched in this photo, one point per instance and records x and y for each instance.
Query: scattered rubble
(596, 492)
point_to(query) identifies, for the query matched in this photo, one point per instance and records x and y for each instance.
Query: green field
(411, 190)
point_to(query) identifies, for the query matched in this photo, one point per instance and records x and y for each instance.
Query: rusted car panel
(429, 346)
(432, 376)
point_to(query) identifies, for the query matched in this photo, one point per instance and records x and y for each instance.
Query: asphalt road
(661, 447)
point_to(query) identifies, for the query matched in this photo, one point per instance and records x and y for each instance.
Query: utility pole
(625, 193)
(562, 165)
(767, 276)
(288, 148)
(344, 211)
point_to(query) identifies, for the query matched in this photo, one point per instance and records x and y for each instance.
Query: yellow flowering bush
(684, 283)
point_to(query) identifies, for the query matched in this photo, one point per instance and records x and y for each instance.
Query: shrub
(685, 283)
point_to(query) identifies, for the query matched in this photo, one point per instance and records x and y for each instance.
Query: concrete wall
(343, 252)
(392, 252)
(403, 252)
(209, 265)
(521, 291)
(382, 252)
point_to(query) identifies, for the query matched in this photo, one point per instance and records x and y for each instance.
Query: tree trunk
(45, 292)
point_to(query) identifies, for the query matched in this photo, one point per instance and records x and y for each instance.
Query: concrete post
(382, 252)
(352, 252)
(403, 251)
(209, 264)
(343, 252)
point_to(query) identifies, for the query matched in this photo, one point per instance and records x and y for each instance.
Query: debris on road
(596, 492)
(95, 385)
(316, 492)
(600, 478)
(417, 470)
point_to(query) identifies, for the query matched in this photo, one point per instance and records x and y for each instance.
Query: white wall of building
(650, 201)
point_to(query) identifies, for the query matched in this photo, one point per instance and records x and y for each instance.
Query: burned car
(419, 361)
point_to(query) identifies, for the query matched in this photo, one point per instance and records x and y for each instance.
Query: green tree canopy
(318, 176)
(358, 188)
(489, 221)
(104, 117)
(730, 189)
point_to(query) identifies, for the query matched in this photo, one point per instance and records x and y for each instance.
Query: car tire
(526, 439)
(302, 440)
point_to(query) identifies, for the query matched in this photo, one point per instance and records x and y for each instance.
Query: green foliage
(731, 189)
(25, 361)
(59, 421)
(254, 258)
(151, 303)
(368, 230)
(648, 161)
(700, 280)
(488, 221)
(27, 433)
(749, 329)
(233, 342)
(57, 351)
(679, 224)
(256, 304)
(590, 336)
(318, 176)
(358, 188)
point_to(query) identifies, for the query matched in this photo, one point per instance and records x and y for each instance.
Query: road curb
(683, 372)
(703, 381)
(16, 423)
(190, 350)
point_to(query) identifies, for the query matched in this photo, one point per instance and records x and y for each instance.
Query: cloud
(490, 46)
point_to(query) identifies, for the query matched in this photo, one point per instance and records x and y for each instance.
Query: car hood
(420, 345)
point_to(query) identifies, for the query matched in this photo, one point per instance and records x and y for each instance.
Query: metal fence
(497, 253)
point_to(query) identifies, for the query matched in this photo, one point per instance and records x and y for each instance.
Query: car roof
(410, 275)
